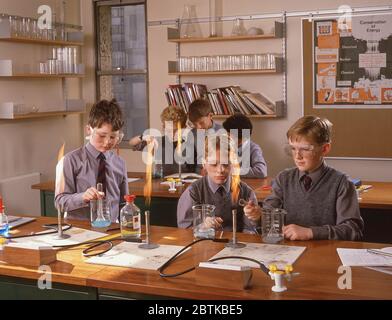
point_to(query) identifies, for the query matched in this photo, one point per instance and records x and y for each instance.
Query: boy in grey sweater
(321, 203)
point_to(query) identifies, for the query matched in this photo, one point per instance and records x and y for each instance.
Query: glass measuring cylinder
(203, 217)
(272, 225)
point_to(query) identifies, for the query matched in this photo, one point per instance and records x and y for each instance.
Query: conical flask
(189, 28)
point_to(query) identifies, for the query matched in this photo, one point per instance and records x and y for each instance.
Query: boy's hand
(92, 194)
(295, 232)
(215, 223)
(252, 211)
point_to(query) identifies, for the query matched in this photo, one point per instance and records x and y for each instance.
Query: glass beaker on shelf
(189, 27)
(15, 25)
(212, 24)
(238, 28)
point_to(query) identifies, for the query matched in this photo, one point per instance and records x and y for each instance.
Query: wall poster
(352, 63)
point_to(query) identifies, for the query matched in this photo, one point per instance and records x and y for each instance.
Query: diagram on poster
(353, 62)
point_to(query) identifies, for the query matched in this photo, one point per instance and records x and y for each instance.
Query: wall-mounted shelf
(42, 42)
(229, 99)
(173, 35)
(172, 67)
(224, 73)
(37, 115)
(268, 116)
(42, 76)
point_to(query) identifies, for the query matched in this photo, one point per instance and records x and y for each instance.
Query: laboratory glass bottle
(130, 223)
(189, 27)
(4, 226)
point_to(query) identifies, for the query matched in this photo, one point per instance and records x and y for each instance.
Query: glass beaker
(272, 225)
(100, 213)
(189, 27)
(212, 24)
(203, 216)
(238, 28)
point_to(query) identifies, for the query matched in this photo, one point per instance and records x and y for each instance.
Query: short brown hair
(105, 111)
(218, 141)
(175, 114)
(312, 127)
(198, 109)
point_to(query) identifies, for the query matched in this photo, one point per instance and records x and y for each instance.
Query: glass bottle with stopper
(4, 226)
(130, 219)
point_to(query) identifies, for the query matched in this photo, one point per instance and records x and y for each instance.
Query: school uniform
(205, 191)
(81, 171)
(198, 139)
(324, 200)
(253, 164)
(165, 155)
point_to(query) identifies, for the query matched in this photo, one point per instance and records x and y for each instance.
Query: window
(122, 60)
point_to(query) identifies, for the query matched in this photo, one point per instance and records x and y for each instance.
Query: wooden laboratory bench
(378, 197)
(162, 201)
(375, 203)
(74, 279)
(159, 190)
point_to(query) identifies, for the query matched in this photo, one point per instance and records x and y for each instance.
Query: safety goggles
(303, 150)
(113, 138)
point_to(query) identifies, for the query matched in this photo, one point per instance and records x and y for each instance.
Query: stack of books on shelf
(224, 100)
(233, 99)
(182, 95)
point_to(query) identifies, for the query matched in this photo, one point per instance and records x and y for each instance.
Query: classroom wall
(28, 146)
(32, 145)
(270, 134)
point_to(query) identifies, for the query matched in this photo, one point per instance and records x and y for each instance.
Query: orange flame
(235, 177)
(149, 163)
(59, 171)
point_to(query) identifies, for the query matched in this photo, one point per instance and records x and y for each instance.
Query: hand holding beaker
(92, 194)
(213, 222)
(204, 221)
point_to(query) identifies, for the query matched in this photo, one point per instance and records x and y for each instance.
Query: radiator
(19, 198)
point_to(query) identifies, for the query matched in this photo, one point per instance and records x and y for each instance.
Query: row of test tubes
(263, 61)
(62, 61)
(23, 27)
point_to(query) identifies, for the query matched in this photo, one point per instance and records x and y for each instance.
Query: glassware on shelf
(238, 62)
(212, 24)
(34, 31)
(238, 28)
(189, 28)
(16, 26)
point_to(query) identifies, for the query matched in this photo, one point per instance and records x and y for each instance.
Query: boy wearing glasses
(321, 203)
(96, 162)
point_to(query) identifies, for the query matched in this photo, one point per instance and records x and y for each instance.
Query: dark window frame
(99, 73)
